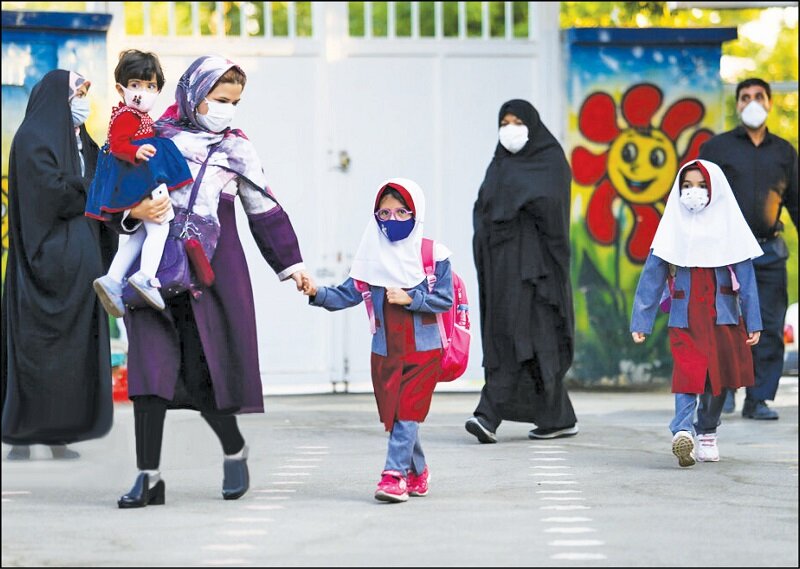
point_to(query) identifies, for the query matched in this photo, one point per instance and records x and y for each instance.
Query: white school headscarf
(381, 262)
(715, 236)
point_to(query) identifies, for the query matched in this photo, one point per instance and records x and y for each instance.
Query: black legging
(149, 412)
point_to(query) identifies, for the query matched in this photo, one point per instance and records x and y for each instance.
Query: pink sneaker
(392, 487)
(418, 484)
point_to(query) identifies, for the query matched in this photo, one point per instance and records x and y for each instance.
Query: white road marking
(15, 492)
(562, 498)
(576, 542)
(292, 473)
(548, 458)
(578, 556)
(228, 547)
(549, 452)
(566, 520)
(226, 562)
(299, 466)
(248, 520)
(559, 491)
(310, 447)
(550, 467)
(243, 532)
(278, 482)
(565, 508)
(556, 482)
(265, 507)
(551, 474)
(273, 497)
(567, 530)
(274, 490)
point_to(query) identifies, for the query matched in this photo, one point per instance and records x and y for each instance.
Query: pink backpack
(453, 324)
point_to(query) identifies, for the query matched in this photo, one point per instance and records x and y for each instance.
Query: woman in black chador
(56, 365)
(521, 249)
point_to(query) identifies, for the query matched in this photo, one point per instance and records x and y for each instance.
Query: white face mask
(80, 110)
(694, 198)
(139, 100)
(754, 115)
(513, 137)
(218, 117)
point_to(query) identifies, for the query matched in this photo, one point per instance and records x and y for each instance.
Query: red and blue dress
(121, 181)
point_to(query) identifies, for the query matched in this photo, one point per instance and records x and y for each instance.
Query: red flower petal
(588, 168)
(693, 148)
(645, 223)
(683, 114)
(597, 119)
(640, 103)
(599, 218)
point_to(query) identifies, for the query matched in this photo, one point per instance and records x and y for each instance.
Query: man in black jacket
(762, 170)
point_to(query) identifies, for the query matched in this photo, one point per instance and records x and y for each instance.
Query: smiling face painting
(642, 165)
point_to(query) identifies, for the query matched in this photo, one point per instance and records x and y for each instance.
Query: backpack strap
(363, 288)
(429, 264)
(734, 280)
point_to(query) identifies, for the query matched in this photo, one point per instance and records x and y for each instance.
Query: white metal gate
(336, 104)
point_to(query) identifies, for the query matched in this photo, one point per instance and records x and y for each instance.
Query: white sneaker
(707, 450)
(683, 448)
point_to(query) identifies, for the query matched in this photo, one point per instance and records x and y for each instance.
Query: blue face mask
(80, 110)
(396, 230)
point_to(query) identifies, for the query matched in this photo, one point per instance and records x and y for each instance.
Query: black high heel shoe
(237, 477)
(142, 495)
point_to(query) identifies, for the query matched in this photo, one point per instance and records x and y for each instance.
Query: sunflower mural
(639, 165)
(641, 104)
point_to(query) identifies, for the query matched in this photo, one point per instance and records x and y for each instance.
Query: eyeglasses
(400, 214)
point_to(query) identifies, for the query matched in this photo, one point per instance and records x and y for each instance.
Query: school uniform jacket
(730, 304)
(424, 305)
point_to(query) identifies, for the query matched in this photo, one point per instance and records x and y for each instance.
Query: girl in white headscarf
(703, 251)
(388, 272)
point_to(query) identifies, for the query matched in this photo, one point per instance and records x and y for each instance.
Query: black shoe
(758, 410)
(730, 402)
(61, 452)
(556, 433)
(142, 495)
(236, 479)
(19, 452)
(475, 426)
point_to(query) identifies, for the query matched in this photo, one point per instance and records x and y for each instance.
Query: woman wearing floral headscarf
(56, 365)
(201, 352)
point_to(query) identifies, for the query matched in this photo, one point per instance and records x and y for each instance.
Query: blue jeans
(405, 451)
(709, 412)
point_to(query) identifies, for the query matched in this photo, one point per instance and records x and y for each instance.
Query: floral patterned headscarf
(75, 82)
(179, 122)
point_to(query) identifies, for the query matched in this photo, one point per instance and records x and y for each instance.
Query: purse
(186, 261)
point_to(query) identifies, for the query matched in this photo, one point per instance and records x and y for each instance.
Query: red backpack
(453, 324)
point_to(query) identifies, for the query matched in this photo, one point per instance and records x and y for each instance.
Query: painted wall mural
(35, 43)
(641, 103)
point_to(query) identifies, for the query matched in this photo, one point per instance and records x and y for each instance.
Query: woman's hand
(298, 277)
(397, 296)
(152, 210)
(146, 152)
(638, 337)
(309, 288)
(753, 338)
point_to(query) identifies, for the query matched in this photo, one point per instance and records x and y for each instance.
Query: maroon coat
(224, 315)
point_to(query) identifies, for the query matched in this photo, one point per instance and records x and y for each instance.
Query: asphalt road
(612, 496)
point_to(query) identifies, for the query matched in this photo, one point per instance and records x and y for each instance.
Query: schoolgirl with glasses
(388, 272)
(140, 166)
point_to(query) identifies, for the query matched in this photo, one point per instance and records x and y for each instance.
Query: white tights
(150, 240)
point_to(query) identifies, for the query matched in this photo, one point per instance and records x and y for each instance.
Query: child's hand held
(145, 152)
(638, 337)
(397, 296)
(753, 338)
